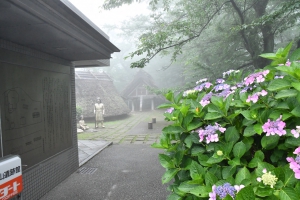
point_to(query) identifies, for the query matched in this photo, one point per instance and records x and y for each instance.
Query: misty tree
(214, 33)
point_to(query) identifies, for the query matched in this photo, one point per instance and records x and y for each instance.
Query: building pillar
(141, 103)
(152, 104)
(132, 106)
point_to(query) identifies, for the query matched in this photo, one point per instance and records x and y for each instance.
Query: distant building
(90, 85)
(137, 93)
(41, 44)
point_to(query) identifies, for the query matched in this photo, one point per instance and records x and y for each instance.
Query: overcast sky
(92, 9)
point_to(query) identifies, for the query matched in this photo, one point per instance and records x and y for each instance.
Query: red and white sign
(11, 182)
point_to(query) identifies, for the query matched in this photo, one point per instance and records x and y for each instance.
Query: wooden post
(153, 120)
(150, 125)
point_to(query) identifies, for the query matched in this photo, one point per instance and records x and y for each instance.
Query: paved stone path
(130, 130)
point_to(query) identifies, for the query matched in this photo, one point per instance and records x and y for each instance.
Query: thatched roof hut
(138, 96)
(90, 85)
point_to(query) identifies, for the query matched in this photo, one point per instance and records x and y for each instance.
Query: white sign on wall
(11, 182)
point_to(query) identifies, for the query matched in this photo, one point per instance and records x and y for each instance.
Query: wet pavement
(117, 163)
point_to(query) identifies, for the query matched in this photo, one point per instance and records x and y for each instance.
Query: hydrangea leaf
(269, 142)
(288, 194)
(286, 93)
(239, 149)
(169, 175)
(242, 174)
(279, 84)
(166, 161)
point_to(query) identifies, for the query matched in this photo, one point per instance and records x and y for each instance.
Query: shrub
(78, 113)
(237, 138)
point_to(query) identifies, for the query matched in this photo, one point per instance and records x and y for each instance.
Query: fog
(213, 44)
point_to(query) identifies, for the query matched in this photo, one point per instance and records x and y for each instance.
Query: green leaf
(217, 101)
(245, 194)
(166, 161)
(184, 109)
(195, 189)
(296, 111)
(295, 55)
(172, 129)
(238, 104)
(234, 162)
(231, 134)
(269, 142)
(289, 177)
(296, 85)
(284, 53)
(286, 93)
(166, 105)
(228, 171)
(212, 116)
(264, 192)
(271, 56)
(288, 194)
(169, 175)
(215, 159)
(291, 141)
(169, 96)
(286, 69)
(258, 128)
(283, 105)
(194, 125)
(259, 156)
(278, 84)
(196, 171)
(164, 140)
(174, 197)
(239, 149)
(247, 114)
(157, 145)
(249, 131)
(243, 174)
(196, 150)
(210, 179)
(188, 141)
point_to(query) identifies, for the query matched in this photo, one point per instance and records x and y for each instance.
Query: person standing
(99, 112)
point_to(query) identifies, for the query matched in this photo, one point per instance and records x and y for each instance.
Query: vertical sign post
(11, 182)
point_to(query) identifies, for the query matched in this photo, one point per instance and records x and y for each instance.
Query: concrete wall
(54, 150)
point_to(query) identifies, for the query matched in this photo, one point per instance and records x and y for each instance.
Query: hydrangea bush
(236, 137)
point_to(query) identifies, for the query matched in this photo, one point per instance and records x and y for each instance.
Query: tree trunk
(267, 35)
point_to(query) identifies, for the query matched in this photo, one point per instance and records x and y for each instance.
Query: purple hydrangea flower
(221, 86)
(170, 110)
(206, 99)
(210, 134)
(202, 86)
(274, 127)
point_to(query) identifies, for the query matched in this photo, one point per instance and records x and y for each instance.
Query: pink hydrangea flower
(274, 127)
(288, 63)
(295, 163)
(254, 97)
(259, 77)
(296, 132)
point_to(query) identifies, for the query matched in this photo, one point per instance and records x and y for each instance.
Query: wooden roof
(141, 78)
(90, 85)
